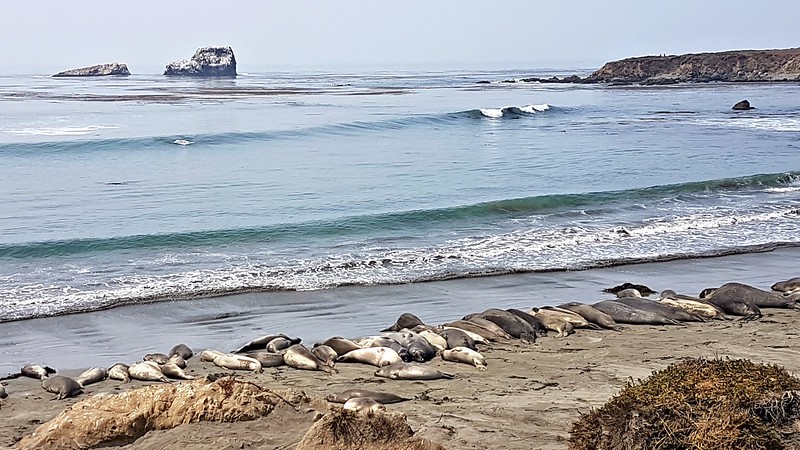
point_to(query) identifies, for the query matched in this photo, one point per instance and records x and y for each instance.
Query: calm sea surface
(140, 189)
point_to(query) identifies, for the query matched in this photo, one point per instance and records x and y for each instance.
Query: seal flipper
(447, 376)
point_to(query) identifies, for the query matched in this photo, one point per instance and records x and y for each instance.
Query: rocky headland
(731, 66)
(206, 62)
(98, 70)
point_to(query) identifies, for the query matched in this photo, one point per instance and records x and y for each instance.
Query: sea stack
(206, 62)
(100, 70)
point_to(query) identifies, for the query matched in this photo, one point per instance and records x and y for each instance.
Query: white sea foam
(757, 123)
(535, 108)
(182, 142)
(59, 131)
(493, 113)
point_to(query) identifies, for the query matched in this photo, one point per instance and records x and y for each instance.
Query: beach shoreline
(528, 398)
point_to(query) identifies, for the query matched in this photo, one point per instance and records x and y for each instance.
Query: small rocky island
(730, 66)
(99, 70)
(206, 62)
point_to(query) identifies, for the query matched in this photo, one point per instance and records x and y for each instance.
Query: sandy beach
(528, 398)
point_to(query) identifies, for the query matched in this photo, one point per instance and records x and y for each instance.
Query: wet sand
(527, 399)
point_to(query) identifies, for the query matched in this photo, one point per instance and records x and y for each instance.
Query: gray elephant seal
(363, 405)
(341, 345)
(411, 371)
(119, 371)
(380, 397)
(267, 359)
(692, 305)
(158, 358)
(93, 375)
(299, 357)
(418, 348)
(3, 393)
(553, 321)
(489, 325)
(384, 341)
(644, 290)
(405, 321)
(182, 350)
(174, 371)
(622, 313)
(325, 354)
(282, 343)
(237, 361)
(438, 342)
(177, 360)
(146, 371)
(511, 324)
(592, 315)
(667, 311)
(577, 320)
(630, 292)
(750, 294)
(375, 356)
(457, 338)
(466, 356)
(472, 327)
(36, 371)
(732, 304)
(259, 343)
(538, 326)
(787, 286)
(62, 386)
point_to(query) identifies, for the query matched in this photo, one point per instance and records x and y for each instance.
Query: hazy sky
(54, 35)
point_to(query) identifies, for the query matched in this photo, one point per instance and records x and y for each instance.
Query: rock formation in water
(743, 105)
(206, 62)
(99, 70)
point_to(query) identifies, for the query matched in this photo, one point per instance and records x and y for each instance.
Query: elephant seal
(259, 343)
(119, 371)
(375, 356)
(406, 320)
(282, 343)
(537, 324)
(485, 333)
(237, 361)
(592, 314)
(299, 357)
(476, 338)
(62, 386)
(418, 348)
(267, 359)
(208, 355)
(438, 342)
(182, 350)
(36, 371)
(174, 371)
(93, 375)
(577, 320)
(341, 345)
(750, 294)
(3, 393)
(325, 354)
(177, 360)
(663, 309)
(158, 358)
(692, 305)
(146, 371)
(457, 338)
(643, 290)
(411, 371)
(489, 325)
(622, 313)
(363, 405)
(553, 321)
(465, 355)
(630, 292)
(511, 324)
(384, 341)
(380, 397)
(787, 286)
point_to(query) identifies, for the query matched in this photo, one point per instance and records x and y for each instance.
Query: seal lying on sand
(538, 326)
(577, 320)
(510, 323)
(183, 350)
(36, 371)
(93, 375)
(465, 355)
(591, 314)
(299, 357)
(622, 313)
(237, 362)
(552, 321)
(375, 356)
(174, 371)
(158, 358)
(476, 338)
(644, 290)
(341, 345)
(262, 343)
(267, 359)
(146, 371)
(660, 308)
(62, 386)
(380, 397)
(750, 294)
(457, 338)
(484, 333)
(405, 321)
(788, 286)
(488, 325)
(692, 305)
(418, 348)
(411, 371)
(119, 371)
(325, 354)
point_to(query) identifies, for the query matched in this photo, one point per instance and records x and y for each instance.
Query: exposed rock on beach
(206, 62)
(98, 70)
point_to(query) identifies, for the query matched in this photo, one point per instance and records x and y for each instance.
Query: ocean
(147, 189)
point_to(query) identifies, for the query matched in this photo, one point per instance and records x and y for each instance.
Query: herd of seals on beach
(400, 351)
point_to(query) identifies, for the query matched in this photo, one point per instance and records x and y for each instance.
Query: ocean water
(120, 191)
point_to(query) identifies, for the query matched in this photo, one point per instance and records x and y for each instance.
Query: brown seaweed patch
(698, 404)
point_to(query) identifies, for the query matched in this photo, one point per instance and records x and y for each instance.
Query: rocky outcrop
(99, 70)
(206, 62)
(743, 105)
(732, 66)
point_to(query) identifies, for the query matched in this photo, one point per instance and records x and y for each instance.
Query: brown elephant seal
(3, 392)
(384, 341)
(418, 348)
(146, 371)
(553, 321)
(341, 345)
(476, 338)
(36, 371)
(489, 325)
(622, 313)
(237, 361)
(181, 350)
(299, 357)
(750, 294)
(380, 397)
(663, 309)
(93, 375)
(208, 355)
(119, 371)
(375, 356)
(158, 358)
(411, 371)
(457, 338)
(177, 360)
(325, 354)
(787, 286)
(259, 343)
(510, 323)
(536, 324)
(172, 370)
(62, 386)
(643, 290)
(363, 405)
(267, 359)
(405, 321)
(592, 314)
(630, 292)
(577, 320)
(692, 305)
(282, 343)
(484, 333)
(438, 342)
(466, 356)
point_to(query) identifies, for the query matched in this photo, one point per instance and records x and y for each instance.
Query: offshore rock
(743, 105)
(206, 62)
(99, 70)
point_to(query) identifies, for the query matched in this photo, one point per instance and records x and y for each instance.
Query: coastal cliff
(732, 66)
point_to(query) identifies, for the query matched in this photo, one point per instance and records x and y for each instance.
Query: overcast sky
(55, 35)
